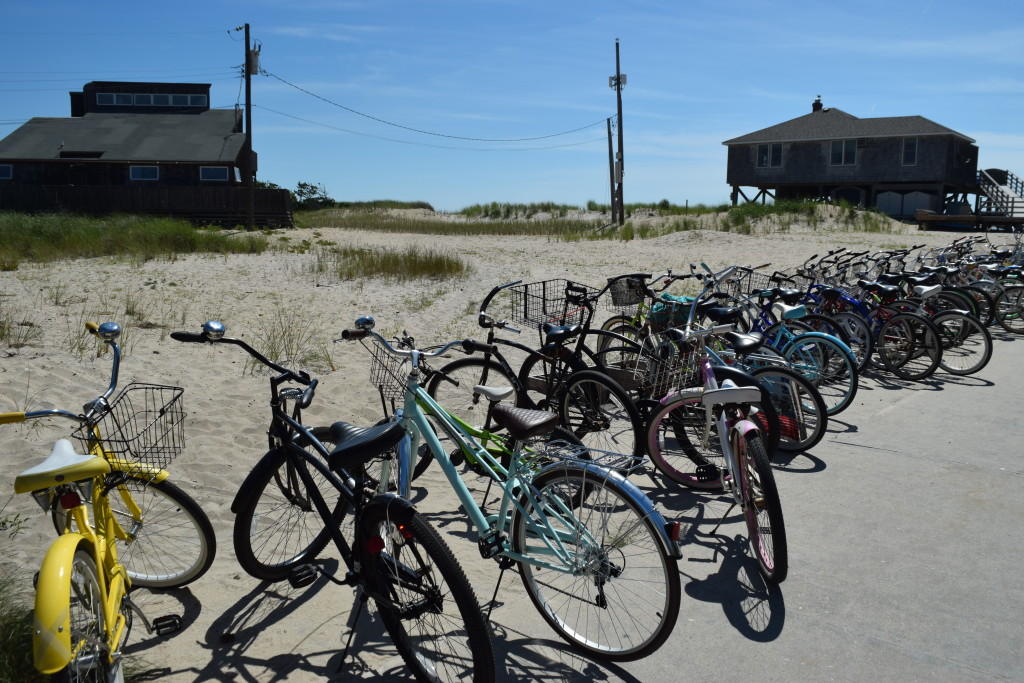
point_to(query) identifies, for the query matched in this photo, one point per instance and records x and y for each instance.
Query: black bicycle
(309, 489)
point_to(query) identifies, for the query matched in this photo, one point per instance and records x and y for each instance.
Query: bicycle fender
(630, 489)
(745, 427)
(51, 627)
(386, 506)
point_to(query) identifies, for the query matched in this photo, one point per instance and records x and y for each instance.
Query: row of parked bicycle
(708, 387)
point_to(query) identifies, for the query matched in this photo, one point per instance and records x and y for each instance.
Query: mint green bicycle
(596, 557)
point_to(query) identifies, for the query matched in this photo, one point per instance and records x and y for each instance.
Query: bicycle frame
(493, 541)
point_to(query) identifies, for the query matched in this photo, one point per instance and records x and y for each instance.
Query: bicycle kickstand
(361, 598)
(504, 563)
(721, 521)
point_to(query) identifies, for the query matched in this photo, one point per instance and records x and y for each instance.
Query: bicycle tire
(1009, 309)
(171, 546)
(90, 662)
(803, 416)
(277, 527)
(617, 324)
(966, 343)
(762, 510)
(598, 411)
(538, 377)
(828, 366)
(858, 332)
(630, 581)
(438, 643)
(909, 347)
(984, 302)
(674, 434)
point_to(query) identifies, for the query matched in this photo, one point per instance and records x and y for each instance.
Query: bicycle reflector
(375, 544)
(69, 500)
(673, 530)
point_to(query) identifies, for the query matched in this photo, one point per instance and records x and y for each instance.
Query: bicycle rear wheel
(675, 443)
(428, 607)
(827, 366)
(762, 509)
(600, 413)
(908, 346)
(966, 344)
(621, 600)
(803, 417)
(1009, 309)
(90, 657)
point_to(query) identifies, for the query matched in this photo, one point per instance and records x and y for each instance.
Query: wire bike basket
(144, 427)
(558, 450)
(625, 293)
(550, 301)
(388, 372)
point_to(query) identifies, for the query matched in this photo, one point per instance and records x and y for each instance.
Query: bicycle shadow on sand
(754, 607)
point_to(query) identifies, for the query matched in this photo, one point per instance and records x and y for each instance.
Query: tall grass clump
(346, 263)
(15, 612)
(51, 237)
(290, 337)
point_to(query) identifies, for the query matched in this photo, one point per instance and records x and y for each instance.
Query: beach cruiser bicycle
(310, 489)
(703, 438)
(122, 524)
(596, 557)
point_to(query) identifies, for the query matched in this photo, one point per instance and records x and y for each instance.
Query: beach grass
(44, 238)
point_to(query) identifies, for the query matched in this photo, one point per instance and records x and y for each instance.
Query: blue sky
(452, 102)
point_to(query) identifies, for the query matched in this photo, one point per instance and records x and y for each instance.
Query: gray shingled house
(898, 164)
(136, 148)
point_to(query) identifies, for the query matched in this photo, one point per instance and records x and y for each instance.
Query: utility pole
(617, 83)
(252, 66)
(611, 167)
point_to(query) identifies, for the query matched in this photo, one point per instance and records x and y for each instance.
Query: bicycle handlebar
(213, 334)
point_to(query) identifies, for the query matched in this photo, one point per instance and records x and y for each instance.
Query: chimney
(816, 105)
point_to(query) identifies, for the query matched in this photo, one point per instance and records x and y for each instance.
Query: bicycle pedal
(302, 576)
(167, 624)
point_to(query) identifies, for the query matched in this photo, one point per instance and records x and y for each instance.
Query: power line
(424, 144)
(427, 132)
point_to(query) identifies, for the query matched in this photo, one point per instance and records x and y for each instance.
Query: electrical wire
(427, 132)
(424, 144)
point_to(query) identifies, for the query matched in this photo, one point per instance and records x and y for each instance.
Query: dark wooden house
(137, 148)
(897, 164)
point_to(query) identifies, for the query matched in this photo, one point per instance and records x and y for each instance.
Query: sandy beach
(236, 628)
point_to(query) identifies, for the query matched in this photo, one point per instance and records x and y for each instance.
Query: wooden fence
(200, 205)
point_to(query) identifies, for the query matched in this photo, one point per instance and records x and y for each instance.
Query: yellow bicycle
(144, 530)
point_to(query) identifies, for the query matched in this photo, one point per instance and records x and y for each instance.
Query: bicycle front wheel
(827, 366)
(277, 526)
(762, 510)
(1009, 309)
(427, 603)
(908, 346)
(171, 543)
(619, 598)
(601, 414)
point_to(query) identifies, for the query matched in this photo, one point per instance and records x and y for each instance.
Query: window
(213, 173)
(197, 100)
(161, 100)
(6, 172)
(144, 172)
(769, 155)
(844, 152)
(104, 98)
(143, 100)
(179, 100)
(909, 151)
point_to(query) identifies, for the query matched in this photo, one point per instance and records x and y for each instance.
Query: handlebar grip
(11, 418)
(471, 346)
(92, 327)
(353, 334)
(188, 337)
(307, 395)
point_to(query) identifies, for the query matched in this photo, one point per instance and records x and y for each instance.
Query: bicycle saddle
(523, 423)
(359, 445)
(62, 466)
(556, 334)
(744, 343)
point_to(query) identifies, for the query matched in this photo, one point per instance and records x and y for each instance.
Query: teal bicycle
(596, 557)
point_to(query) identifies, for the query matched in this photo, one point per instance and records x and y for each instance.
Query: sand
(273, 627)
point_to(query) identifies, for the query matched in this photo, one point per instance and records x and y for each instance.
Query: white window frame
(769, 148)
(222, 169)
(6, 171)
(132, 176)
(197, 100)
(100, 96)
(903, 152)
(143, 99)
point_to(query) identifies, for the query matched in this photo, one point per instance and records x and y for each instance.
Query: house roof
(835, 124)
(205, 136)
